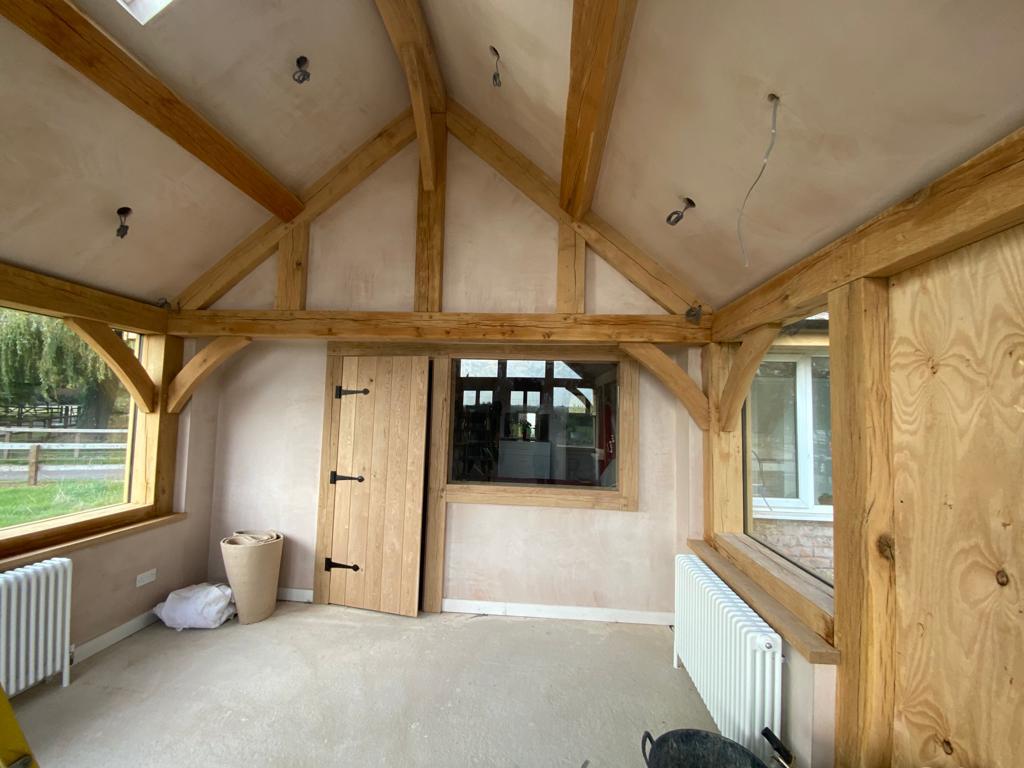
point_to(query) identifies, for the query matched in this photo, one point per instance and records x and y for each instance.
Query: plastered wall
(500, 257)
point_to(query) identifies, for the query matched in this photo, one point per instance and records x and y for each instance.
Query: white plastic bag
(201, 606)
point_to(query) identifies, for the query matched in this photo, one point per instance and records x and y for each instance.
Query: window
(788, 437)
(543, 432)
(144, 10)
(66, 422)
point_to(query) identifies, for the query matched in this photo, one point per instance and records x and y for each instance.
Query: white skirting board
(140, 622)
(574, 612)
(116, 635)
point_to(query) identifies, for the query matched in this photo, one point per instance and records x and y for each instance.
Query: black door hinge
(335, 477)
(340, 392)
(330, 565)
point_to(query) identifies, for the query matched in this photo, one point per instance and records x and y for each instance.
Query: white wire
(764, 164)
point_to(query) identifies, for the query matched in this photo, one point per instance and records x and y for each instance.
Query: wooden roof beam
(446, 327)
(34, 292)
(678, 381)
(407, 28)
(755, 346)
(205, 362)
(73, 37)
(325, 192)
(660, 284)
(983, 196)
(600, 35)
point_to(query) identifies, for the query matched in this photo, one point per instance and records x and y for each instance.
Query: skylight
(144, 10)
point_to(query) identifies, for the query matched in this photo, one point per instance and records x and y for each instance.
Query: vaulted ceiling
(877, 99)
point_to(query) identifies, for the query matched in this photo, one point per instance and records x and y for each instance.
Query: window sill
(540, 496)
(31, 542)
(763, 595)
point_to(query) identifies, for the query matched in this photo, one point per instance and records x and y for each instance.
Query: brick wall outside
(808, 543)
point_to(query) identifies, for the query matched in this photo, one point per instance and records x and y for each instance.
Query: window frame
(624, 497)
(149, 493)
(804, 507)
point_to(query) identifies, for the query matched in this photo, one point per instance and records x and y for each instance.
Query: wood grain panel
(416, 439)
(437, 326)
(864, 532)
(437, 474)
(378, 478)
(72, 36)
(958, 419)
(571, 283)
(328, 461)
(362, 465)
(345, 441)
(393, 515)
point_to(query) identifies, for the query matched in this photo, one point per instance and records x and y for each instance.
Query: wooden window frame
(798, 606)
(624, 497)
(149, 492)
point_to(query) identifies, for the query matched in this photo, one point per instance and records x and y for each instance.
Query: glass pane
(773, 431)
(537, 431)
(821, 405)
(526, 369)
(473, 368)
(65, 422)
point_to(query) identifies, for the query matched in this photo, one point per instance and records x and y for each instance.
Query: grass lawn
(25, 503)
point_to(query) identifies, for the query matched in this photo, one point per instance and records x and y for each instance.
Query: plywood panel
(957, 383)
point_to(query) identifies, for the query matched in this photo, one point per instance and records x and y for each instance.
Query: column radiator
(734, 658)
(35, 624)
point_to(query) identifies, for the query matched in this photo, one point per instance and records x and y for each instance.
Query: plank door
(378, 521)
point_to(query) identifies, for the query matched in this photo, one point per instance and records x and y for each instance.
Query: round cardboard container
(252, 560)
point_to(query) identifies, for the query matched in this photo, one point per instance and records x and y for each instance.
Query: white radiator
(35, 624)
(734, 658)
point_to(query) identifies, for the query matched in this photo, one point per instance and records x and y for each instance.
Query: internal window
(66, 422)
(788, 438)
(144, 10)
(551, 422)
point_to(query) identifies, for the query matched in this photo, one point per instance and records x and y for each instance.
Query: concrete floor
(329, 686)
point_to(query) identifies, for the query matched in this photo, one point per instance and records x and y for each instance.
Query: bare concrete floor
(328, 686)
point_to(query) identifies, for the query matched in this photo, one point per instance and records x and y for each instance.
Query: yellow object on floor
(14, 751)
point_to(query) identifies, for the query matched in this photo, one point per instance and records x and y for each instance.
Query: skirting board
(290, 595)
(116, 635)
(573, 612)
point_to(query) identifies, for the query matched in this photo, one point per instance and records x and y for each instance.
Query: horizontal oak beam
(438, 326)
(658, 282)
(678, 381)
(34, 292)
(982, 196)
(325, 192)
(205, 362)
(119, 358)
(73, 36)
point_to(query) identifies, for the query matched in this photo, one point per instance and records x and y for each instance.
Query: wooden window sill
(540, 496)
(23, 544)
(793, 629)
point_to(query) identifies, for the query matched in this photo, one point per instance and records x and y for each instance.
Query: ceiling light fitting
(122, 215)
(301, 75)
(676, 216)
(496, 77)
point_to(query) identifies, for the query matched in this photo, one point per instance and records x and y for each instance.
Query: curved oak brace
(737, 387)
(116, 354)
(675, 378)
(206, 361)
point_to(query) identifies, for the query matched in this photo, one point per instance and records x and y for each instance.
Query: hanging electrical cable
(775, 100)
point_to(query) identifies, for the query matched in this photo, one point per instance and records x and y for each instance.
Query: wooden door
(378, 521)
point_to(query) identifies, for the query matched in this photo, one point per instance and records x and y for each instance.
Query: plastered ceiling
(878, 98)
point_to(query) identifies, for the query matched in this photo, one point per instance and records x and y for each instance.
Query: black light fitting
(122, 214)
(301, 75)
(676, 216)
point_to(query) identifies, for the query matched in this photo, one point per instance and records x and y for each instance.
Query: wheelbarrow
(690, 748)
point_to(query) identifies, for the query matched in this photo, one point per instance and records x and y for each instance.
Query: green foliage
(40, 358)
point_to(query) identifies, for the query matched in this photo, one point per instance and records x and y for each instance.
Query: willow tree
(42, 361)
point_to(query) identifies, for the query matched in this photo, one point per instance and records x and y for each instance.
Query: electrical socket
(145, 578)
